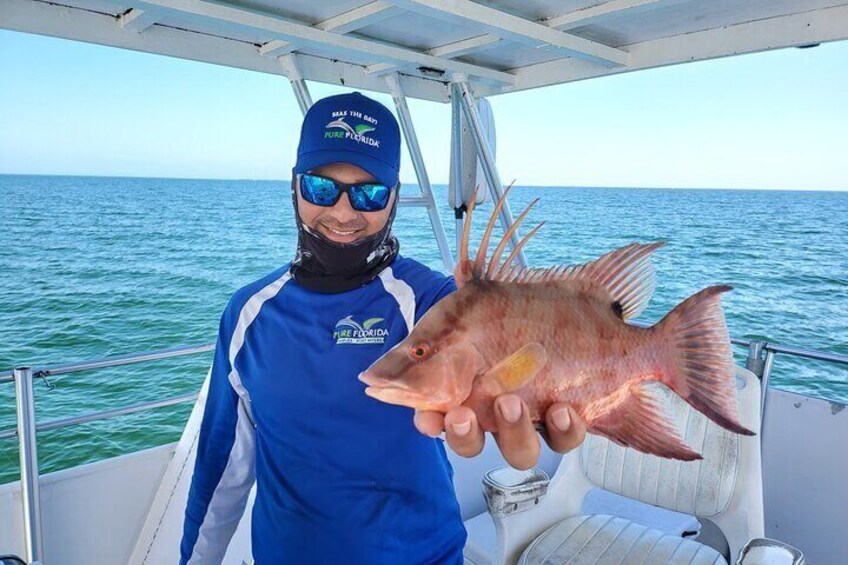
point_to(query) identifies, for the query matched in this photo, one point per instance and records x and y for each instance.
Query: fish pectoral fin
(637, 421)
(517, 369)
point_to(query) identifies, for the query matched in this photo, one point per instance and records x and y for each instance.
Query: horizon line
(444, 184)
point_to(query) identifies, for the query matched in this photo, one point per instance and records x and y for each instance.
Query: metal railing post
(411, 138)
(490, 169)
(30, 501)
(298, 84)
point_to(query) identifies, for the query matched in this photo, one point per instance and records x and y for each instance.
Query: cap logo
(356, 133)
(350, 128)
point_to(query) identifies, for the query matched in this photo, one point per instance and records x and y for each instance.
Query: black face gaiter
(326, 266)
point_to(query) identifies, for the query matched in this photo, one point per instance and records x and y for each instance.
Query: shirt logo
(350, 132)
(348, 330)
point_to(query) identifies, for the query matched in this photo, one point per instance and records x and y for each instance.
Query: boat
(786, 484)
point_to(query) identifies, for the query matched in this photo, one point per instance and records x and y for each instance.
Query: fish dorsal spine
(627, 274)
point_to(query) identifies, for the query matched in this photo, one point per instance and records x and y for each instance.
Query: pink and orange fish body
(560, 335)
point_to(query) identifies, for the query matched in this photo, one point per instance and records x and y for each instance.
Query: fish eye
(419, 351)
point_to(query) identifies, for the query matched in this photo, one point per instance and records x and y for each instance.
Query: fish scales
(584, 340)
(561, 335)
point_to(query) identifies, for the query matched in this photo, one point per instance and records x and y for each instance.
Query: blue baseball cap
(350, 128)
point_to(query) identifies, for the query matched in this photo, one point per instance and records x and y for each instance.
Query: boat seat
(601, 539)
(724, 488)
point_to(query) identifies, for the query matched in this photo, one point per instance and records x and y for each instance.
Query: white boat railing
(27, 428)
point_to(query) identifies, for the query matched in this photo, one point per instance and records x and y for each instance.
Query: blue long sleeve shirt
(339, 476)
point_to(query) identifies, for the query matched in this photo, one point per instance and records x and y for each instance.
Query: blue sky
(770, 120)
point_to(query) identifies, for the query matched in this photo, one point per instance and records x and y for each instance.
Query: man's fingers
(565, 429)
(429, 423)
(516, 437)
(463, 432)
(460, 425)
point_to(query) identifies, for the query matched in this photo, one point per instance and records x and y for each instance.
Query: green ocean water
(94, 267)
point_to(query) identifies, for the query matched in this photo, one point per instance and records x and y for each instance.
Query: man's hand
(516, 436)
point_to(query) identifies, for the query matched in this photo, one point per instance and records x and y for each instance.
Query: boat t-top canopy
(497, 46)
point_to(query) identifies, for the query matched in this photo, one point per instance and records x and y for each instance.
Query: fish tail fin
(700, 361)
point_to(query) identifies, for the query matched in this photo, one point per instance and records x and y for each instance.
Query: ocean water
(94, 267)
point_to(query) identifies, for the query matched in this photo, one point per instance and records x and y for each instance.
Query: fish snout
(372, 378)
(377, 382)
(392, 391)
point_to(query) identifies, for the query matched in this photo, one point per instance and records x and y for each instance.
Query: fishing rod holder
(755, 361)
(760, 361)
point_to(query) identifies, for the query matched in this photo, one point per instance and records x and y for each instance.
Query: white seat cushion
(602, 539)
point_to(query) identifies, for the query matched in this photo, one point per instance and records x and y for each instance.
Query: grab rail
(104, 414)
(115, 361)
(52, 370)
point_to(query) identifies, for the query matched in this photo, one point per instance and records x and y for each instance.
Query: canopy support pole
(298, 84)
(456, 162)
(461, 90)
(409, 135)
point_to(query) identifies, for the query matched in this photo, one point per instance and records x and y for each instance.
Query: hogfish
(560, 334)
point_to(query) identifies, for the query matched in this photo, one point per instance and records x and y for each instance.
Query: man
(340, 476)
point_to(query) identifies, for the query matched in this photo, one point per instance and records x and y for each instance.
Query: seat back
(725, 486)
(701, 488)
